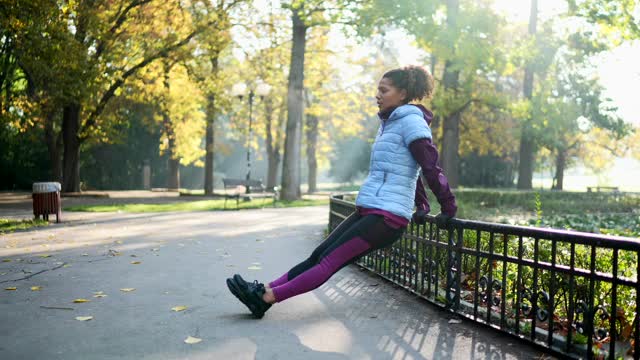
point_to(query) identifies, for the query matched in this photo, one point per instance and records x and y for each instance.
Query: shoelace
(259, 286)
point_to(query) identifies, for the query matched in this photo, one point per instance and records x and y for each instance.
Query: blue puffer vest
(393, 172)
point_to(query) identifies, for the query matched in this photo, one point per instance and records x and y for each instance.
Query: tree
(206, 68)
(98, 37)
(575, 113)
(617, 20)
(462, 39)
(527, 142)
(304, 15)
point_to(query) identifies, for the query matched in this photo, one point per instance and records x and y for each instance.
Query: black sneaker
(239, 283)
(251, 295)
(242, 283)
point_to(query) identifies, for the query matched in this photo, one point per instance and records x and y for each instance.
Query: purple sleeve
(426, 154)
(421, 201)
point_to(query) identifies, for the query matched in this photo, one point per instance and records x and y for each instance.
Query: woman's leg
(366, 235)
(315, 255)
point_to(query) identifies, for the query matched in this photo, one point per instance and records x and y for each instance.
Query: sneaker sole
(235, 290)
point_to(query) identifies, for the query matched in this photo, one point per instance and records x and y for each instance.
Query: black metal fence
(574, 293)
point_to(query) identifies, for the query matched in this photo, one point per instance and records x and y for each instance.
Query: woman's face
(388, 95)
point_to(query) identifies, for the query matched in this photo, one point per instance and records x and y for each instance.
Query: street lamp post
(240, 90)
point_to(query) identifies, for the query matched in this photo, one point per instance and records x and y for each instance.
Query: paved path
(184, 259)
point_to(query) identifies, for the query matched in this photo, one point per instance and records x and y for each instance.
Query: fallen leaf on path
(36, 288)
(192, 340)
(85, 254)
(179, 308)
(12, 288)
(81, 300)
(155, 249)
(84, 318)
(259, 240)
(66, 265)
(99, 296)
(119, 241)
(127, 289)
(253, 267)
(44, 255)
(136, 262)
(6, 260)
(454, 321)
(3, 274)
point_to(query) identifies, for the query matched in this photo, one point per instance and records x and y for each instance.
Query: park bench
(614, 189)
(247, 189)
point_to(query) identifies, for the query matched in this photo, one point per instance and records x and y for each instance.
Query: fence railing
(573, 293)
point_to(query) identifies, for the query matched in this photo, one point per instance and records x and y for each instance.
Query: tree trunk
(174, 173)
(561, 163)
(173, 164)
(295, 108)
(210, 140)
(273, 149)
(54, 145)
(525, 165)
(71, 161)
(209, 145)
(451, 123)
(312, 140)
(527, 144)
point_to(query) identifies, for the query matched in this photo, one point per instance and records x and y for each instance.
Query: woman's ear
(403, 95)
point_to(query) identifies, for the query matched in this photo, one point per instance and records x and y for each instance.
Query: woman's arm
(426, 154)
(421, 201)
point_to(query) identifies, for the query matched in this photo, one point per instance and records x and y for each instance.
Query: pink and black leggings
(356, 236)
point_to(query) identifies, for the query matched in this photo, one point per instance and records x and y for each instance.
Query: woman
(386, 199)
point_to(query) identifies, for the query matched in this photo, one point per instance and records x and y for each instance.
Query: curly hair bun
(415, 80)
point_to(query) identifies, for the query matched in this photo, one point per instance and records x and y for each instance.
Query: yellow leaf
(136, 262)
(36, 288)
(192, 340)
(254, 267)
(179, 308)
(84, 318)
(127, 289)
(6, 260)
(11, 288)
(81, 300)
(66, 265)
(45, 255)
(119, 241)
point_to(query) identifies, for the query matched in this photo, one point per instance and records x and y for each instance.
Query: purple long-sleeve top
(426, 155)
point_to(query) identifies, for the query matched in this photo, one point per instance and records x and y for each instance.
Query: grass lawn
(201, 205)
(8, 225)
